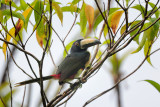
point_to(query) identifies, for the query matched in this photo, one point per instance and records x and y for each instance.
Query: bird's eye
(77, 44)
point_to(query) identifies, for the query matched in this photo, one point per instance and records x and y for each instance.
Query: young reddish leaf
(114, 19)
(58, 10)
(8, 38)
(18, 26)
(89, 12)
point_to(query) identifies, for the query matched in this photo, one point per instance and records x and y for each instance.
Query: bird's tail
(33, 81)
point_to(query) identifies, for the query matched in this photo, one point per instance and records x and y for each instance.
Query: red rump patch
(56, 76)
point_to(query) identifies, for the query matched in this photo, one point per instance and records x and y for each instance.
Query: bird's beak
(85, 43)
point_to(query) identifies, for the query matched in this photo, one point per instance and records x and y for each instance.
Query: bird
(72, 64)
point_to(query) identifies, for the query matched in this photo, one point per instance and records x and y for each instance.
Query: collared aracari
(76, 60)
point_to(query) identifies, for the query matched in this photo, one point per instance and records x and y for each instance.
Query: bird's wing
(72, 63)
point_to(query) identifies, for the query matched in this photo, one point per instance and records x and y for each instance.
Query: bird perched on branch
(69, 67)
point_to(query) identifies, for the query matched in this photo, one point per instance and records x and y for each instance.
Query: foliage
(114, 23)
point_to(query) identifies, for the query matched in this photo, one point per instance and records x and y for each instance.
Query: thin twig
(10, 88)
(104, 92)
(23, 96)
(67, 98)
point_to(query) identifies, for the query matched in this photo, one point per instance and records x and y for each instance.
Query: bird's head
(83, 44)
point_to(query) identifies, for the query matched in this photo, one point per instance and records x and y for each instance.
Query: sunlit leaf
(105, 30)
(83, 20)
(8, 38)
(23, 4)
(154, 84)
(67, 48)
(27, 13)
(147, 50)
(89, 13)
(123, 29)
(98, 54)
(100, 18)
(114, 19)
(58, 10)
(140, 8)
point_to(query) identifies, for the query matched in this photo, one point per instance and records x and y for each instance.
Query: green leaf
(75, 2)
(99, 54)
(39, 9)
(83, 20)
(153, 5)
(154, 84)
(152, 31)
(141, 43)
(1, 16)
(136, 39)
(127, 1)
(123, 29)
(67, 48)
(140, 8)
(99, 19)
(105, 30)
(0, 3)
(23, 4)
(147, 50)
(14, 14)
(58, 10)
(71, 8)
